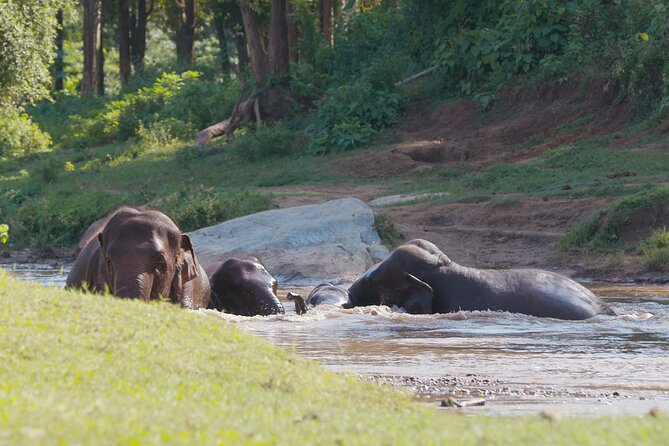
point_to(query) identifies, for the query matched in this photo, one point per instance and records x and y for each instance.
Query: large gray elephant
(243, 286)
(422, 279)
(140, 254)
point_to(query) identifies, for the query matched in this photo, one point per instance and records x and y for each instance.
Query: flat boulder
(330, 242)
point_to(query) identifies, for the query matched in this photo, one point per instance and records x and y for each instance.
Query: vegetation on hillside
(119, 122)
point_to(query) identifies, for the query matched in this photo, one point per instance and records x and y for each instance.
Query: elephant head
(243, 287)
(144, 255)
(395, 282)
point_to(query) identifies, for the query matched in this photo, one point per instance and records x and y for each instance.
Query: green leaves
(4, 233)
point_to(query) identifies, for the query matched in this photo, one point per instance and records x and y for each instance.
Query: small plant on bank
(4, 233)
(263, 143)
(655, 250)
(389, 234)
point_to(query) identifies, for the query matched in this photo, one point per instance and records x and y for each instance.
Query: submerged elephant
(422, 279)
(140, 254)
(325, 293)
(243, 286)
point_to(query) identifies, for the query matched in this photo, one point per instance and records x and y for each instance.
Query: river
(519, 364)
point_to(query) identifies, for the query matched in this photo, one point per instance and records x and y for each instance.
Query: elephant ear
(417, 295)
(186, 270)
(188, 262)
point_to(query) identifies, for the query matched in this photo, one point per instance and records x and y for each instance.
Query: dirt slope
(523, 124)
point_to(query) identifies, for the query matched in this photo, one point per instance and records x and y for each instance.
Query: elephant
(243, 286)
(421, 278)
(325, 293)
(140, 254)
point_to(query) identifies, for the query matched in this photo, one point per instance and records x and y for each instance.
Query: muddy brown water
(519, 364)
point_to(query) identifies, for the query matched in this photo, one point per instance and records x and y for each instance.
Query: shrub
(606, 226)
(262, 143)
(183, 102)
(19, 135)
(4, 233)
(206, 206)
(350, 115)
(655, 250)
(389, 234)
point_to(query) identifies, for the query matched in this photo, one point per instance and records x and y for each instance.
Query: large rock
(334, 241)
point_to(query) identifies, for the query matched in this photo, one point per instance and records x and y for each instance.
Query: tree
(4, 233)
(27, 48)
(139, 18)
(93, 63)
(124, 41)
(59, 63)
(185, 36)
(265, 101)
(325, 11)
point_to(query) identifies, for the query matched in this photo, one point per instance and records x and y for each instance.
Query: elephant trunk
(133, 286)
(269, 304)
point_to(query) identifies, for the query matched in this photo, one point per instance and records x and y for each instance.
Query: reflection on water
(608, 364)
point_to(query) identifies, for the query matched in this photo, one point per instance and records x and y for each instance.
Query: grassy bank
(81, 369)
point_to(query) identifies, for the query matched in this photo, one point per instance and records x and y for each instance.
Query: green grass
(655, 250)
(89, 369)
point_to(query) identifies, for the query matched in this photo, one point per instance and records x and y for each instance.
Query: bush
(262, 143)
(389, 234)
(655, 250)
(19, 135)
(205, 206)
(605, 228)
(4, 233)
(350, 115)
(184, 101)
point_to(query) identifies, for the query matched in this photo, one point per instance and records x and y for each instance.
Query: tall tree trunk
(124, 41)
(242, 57)
(138, 34)
(58, 64)
(219, 26)
(101, 56)
(186, 34)
(326, 20)
(92, 46)
(293, 34)
(259, 65)
(279, 57)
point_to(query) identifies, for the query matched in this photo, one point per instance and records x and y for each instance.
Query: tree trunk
(186, 34)
(219, 26)
(279, 57)
(58, 64)
(271, 102)
(92, 46)
(138, 34)
(254, 40)
(293, 34)
(242, 57)
(124, 41)
(101, 56)
(326, 20)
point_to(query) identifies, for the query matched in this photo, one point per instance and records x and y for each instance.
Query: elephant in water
(422, 279)
(325, 293)
(243, 286)
(140, 254)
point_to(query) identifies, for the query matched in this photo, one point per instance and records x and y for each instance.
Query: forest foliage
(343, 86)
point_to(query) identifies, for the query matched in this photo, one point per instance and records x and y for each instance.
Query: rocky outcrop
(330, 242)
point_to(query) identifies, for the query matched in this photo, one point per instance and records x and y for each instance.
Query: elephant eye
(108, 263)
(161, 265)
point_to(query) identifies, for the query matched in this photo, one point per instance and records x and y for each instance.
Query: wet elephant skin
(140, 254)
(421, 278)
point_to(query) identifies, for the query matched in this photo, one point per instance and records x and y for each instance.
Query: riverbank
(88, 369)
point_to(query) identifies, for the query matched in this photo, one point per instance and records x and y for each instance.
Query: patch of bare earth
(523, 124)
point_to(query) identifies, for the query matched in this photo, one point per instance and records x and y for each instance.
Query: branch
(416, 76)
